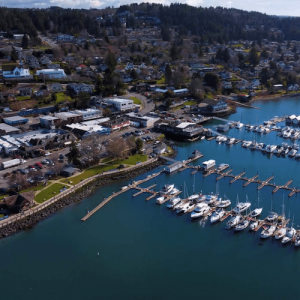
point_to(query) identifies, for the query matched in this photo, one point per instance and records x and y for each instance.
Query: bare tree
(117, 148)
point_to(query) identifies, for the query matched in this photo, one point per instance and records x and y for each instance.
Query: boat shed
(173, 167)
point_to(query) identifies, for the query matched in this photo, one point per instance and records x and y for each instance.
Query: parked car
(45, 162)
(38, 165)
(47, 153)
(50, 161)
(24, 171)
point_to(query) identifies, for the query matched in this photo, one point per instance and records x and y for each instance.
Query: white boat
(297, 241)
(272, 216)
(270, 148)
(290, 233)
(233, 221)
(266, 130)
(286, 134)
(173, 202)
(292, 153)
(167, 188)
(222, 167)
(297, 156)
(242, 225)
(253, 225)
(260, 129)
(266, 233)
(223, 203)
(160, 199)
(210, 199)
(183, 208)
(246, 144)
(200, 210)
(193, 198)
(241, 206)
(219, 139)
(230, 141)
(217, 215)
(257, 211)
(280, 233)
(239, 125)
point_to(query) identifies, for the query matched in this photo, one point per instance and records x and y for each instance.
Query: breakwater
(28, 219)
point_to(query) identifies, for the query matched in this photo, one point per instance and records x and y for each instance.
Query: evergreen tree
(253, 57)
(25, 41)
(168, 74)
(226, 55)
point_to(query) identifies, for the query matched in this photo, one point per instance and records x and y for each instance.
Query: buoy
(98, 253)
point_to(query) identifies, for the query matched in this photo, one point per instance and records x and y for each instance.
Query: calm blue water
(148, 252)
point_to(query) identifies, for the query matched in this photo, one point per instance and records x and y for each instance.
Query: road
(147, 106)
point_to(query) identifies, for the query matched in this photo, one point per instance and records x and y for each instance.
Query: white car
(47, 153)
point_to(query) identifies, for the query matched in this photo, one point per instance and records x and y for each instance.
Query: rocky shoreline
(76, 196)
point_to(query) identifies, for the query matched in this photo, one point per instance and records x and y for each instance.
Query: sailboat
(193, 197)
(290, 234)
(272, 216)
(241, 206)
(280, 233)
(258, 210)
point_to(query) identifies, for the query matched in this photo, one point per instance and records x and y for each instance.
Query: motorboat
(272, 216)
(297, 241)
(210, 199)
(200, 210)
(253, 145)
(266, 130)
(201, 197)
(285, 152)
(184, 207)
(290, 234)
(219, 139)
(249, 127)
(286, 134)
(253, 225)
(167, 188)
(270, 148)
(193, 198)
(160, 199)
(223, 203)
(230, 141)
(280, 233)
(241, 206)
(246, 144)
(222, 167)
(174, 191)
(256, 212)
(260, 129)
(259, 146)
(174, 201)
(292, 153)
(268, 232)
(233, 221)
(297, 156)
(217, 215)
(239, 125)
(242, 225)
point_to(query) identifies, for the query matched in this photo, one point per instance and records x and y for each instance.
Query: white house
(51, 73)
(14, 71)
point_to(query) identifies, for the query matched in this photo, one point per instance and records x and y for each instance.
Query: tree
(253, 57)
(226, 55)
(84, 99)
(117, 148)
(175, 52)
(168, 74)
(273, 65)
(195, 86)
(25, 41)
(264, 76)
(212, 80)
(264, 54)
(178, 79)
(139, 144)
(134, 75)
(74, 154)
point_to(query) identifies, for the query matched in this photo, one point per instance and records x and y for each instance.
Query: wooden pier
(237, 177)
(224, 174)
(250, 180)
(282, 186)
(144, 190)
(264, 183)
(229, 213)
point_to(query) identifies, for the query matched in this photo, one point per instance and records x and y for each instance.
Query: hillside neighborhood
(72, 102)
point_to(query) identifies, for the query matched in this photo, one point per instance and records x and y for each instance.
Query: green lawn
(1, 216)
(36, 188)
(61, 97)
(3, 196)
(136, 100)
(49, 192)
(161, 81)
(21, 98)
(132, 160)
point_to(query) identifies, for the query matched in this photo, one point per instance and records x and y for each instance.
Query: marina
(147, 244)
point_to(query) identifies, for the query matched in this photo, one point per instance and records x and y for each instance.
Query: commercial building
(16, 120)
(83, 130)
(89, 114)
(49, 122)
(117, 123)
(181, 131)
(51, 73)
(141, 121)
(69, 117)
(7, 129)
(120, 104)
(173, 167)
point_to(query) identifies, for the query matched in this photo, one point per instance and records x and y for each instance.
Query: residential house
(14, 71)
(160, 148)
(44, 60)
(25, 91)
(78, 88)
(56, 87)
